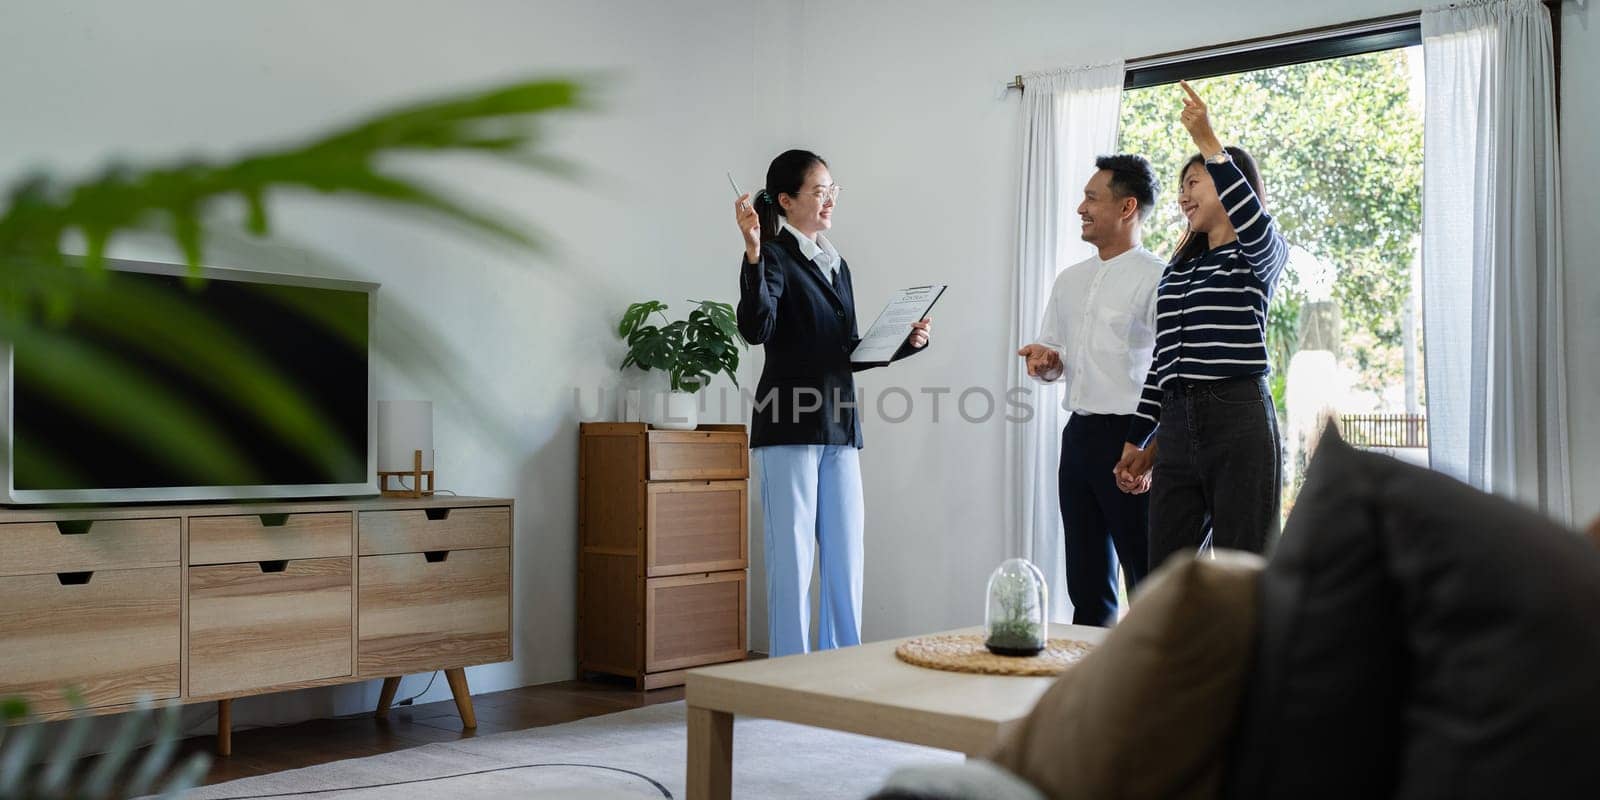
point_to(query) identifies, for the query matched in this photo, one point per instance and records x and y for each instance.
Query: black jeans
(1098, 516)
(1219, 468)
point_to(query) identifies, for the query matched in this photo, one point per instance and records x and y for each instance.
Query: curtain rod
(1262, 42)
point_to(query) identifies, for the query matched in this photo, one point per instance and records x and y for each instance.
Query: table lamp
(405, 447)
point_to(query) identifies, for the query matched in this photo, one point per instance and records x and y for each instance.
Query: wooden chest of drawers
(207, 602)
(663, 549)
(95, 607)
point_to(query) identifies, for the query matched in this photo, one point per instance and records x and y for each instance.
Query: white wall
(153, 80)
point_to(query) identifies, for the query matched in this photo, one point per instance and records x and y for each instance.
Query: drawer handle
(437, 514)
(274, 566)
(436, 556)
(74, 527)
(273, 520)
(74, 578)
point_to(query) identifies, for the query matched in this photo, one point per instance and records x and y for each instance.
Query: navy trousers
(1103, 524)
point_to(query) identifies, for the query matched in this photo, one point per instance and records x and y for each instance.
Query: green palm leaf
(179, 200)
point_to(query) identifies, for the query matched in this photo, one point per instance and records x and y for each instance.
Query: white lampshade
(404, 427)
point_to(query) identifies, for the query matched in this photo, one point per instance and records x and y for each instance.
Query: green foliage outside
(1339, 144)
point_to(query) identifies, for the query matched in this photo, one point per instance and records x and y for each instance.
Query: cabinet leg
(224, 728)
(458, 687)
(386, 697)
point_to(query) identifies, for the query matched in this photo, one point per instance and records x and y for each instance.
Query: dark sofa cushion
(1502, 628)
(1321, 709)
(1421, 639)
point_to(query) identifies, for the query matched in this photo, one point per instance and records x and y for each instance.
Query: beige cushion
(1148, 713)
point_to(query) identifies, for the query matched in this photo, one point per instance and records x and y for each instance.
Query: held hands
(1044, 362)
(1197, 121)
(920, 331)
(1133, 471)
(749, 225)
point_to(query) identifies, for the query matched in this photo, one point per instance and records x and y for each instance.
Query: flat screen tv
(144, 383)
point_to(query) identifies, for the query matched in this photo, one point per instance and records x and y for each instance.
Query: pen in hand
(736, 191)
(749, 223)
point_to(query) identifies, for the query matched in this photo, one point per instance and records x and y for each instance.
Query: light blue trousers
(812, 500)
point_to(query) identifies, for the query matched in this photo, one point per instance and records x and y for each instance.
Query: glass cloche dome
(1017, 621)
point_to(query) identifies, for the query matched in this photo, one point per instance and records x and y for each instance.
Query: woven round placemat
(966, 653)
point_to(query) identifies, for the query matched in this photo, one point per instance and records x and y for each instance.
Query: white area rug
(632, 754)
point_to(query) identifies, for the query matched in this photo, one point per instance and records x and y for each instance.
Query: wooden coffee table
(862, 689)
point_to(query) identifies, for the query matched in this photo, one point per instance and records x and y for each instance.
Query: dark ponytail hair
(1196, 242)
(786, 175)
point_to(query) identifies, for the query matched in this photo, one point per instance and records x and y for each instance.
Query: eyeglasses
(826, 193)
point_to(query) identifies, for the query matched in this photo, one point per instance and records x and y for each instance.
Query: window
(1335, 124)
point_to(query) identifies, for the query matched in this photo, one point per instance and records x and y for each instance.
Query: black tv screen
(148, 384)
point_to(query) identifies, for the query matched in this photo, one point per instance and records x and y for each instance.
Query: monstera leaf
(689, 350)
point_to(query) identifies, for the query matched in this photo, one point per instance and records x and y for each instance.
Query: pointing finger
(1191, 92)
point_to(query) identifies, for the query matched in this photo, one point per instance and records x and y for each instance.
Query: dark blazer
(809, 330)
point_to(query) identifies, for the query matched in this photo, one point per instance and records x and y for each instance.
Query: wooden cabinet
(35, 548)
(429, 530)
(212, 602)
(663, 537)
(109, 634)
(92, 605)
(235, 538)
(695, 526)
(441, 608)
(692, 620)
(713, 452)
(268, 623)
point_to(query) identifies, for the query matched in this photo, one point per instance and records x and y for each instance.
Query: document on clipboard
(893, 325)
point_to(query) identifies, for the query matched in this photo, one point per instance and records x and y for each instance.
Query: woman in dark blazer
(795, 299)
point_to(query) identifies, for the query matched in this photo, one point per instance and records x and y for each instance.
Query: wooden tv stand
(210, 602)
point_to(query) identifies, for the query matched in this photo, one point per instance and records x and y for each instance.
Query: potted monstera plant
(691, 351)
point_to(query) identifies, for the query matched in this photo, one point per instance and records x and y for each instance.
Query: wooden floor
(264, 750)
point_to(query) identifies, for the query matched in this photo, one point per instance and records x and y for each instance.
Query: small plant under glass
(1017, 619)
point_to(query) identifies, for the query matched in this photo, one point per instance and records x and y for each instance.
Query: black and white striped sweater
(1211, 311)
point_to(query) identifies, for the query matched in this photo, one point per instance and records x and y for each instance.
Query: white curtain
(1068, 118)
(1491, 253)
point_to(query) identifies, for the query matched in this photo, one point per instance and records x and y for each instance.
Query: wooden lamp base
(416, 474)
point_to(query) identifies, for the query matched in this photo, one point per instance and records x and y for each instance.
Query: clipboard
(891, 328)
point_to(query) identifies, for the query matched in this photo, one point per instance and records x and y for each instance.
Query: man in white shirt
(1097, 338)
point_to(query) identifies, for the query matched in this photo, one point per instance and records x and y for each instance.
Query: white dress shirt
(1101, 320)
(819, 252)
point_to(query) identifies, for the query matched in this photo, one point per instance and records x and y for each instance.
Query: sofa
(1409, 637)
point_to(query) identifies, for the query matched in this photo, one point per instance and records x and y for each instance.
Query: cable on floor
(407, 701)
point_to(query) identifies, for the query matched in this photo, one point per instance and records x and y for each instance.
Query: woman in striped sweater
(1206, 419)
